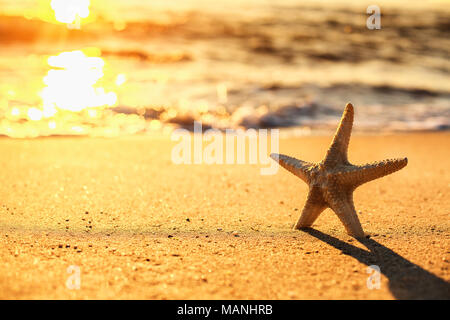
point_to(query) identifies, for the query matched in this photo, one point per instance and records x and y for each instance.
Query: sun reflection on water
(71, 83)
(75, 100)
(69, 11)
(75, 91)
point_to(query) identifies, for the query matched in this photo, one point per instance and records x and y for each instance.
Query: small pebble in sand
(188, 220)
(170, 236)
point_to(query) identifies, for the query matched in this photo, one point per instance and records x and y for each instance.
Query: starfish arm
(298, 167)
(313, 208)
(341, 202)
(337, 153)
(357, 175)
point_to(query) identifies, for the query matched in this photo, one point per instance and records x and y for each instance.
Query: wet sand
(140, 227)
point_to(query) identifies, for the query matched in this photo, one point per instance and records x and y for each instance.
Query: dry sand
(141, 227)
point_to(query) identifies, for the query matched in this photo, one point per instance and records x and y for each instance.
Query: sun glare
(34, 114)
(68, 11)
(71, 83)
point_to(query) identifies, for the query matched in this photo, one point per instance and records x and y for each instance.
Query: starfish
(332, 181)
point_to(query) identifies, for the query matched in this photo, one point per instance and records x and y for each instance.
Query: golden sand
(140, 227)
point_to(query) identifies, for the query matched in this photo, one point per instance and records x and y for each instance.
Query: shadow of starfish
(406, 279)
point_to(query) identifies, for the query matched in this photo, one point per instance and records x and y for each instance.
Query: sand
(140, 227)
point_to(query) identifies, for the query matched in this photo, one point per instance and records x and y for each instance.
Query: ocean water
(136, 67)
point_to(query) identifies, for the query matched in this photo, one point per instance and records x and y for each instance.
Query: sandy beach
(94, 206)
(140, 227)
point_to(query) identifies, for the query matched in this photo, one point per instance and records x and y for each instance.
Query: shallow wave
(286, 66)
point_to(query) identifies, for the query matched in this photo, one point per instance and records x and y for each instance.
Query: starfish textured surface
(332, 181)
